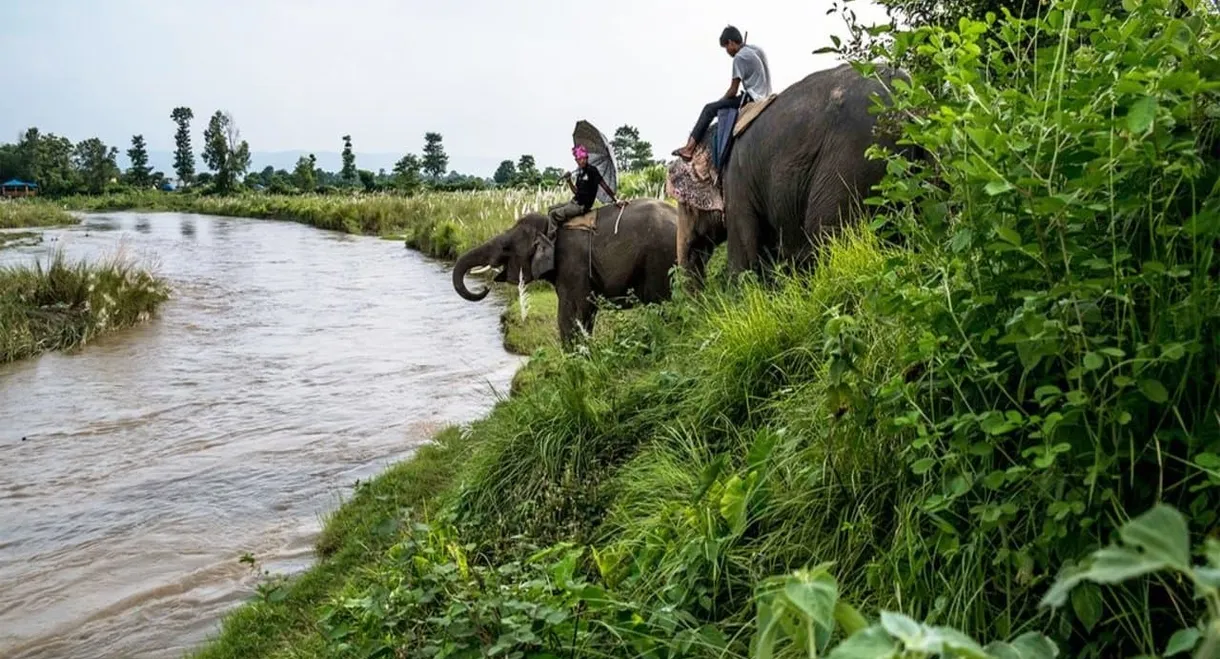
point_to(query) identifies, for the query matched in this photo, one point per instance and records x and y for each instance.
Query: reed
(60, 305)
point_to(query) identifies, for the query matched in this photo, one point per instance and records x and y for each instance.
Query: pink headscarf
(579, 151)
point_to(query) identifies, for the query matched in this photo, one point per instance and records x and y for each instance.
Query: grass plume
(61, 305)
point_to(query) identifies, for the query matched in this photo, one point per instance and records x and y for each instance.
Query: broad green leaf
(764, 442)
(1154, 391)
(870, 643)
(902, 627)
(1034, 645)
(1116, 564)
(1086, 603)
(1141, 114)
(849, 618)
(960, 644)
(1009, 235)
(1108, 565)
(814, 597)
(1208, 460)
(997, 187)
(1182, 640)
(1093, 361)
(1208, 577)
(922, 466)
(1162, 533)
(733, 501)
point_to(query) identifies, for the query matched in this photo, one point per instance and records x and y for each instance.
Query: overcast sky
(497, 78)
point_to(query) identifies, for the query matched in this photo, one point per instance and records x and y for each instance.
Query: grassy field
(20, 213)
(61, 305)
(1001, 439)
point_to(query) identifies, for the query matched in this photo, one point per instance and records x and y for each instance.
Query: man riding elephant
(584, 192)
(751, 74)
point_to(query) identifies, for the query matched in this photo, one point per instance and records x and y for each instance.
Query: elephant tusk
(479, 270)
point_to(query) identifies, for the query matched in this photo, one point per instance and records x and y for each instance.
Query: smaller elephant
(587, 261)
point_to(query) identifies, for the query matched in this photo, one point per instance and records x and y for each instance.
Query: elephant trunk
(686, 221)
(465, 263)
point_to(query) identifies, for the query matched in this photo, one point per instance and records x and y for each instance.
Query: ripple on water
(289, 363)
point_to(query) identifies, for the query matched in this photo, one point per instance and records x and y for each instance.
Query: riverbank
(946, 432)
(63, 305)
(23, 213)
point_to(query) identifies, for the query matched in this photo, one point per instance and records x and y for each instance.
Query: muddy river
(289, 363)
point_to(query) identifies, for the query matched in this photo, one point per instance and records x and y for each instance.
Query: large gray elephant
(796, 176)
(634, 262)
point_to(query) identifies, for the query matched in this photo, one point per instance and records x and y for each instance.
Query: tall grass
(63, 305)
(29, 212)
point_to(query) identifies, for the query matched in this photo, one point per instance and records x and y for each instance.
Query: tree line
(62, 168)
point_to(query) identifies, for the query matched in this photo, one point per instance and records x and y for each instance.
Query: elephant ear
(542, 260)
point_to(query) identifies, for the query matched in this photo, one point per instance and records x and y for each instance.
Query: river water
(289, 363)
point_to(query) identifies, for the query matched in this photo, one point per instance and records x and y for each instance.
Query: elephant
(796, 176)
(634, 262)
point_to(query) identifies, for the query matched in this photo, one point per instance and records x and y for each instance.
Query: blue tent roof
(15, 182)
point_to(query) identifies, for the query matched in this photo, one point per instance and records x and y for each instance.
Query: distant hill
(328, 160)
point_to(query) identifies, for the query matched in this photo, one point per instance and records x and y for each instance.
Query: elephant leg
(743, 223)
(829, 209)
(572, 287)
(700, 253)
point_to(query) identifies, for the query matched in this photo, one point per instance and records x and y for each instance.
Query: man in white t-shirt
(751, 75)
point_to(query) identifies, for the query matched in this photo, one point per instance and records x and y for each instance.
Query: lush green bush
(64, 305)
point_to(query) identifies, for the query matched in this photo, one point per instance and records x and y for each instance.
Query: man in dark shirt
(584, 192)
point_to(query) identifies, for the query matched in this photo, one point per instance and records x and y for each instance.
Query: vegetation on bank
(1006, 428)
(63, 305)
(21, 213)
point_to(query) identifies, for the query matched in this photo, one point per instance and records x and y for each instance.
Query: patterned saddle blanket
(697, 183)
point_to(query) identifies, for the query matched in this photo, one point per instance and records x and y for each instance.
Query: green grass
(62, 305)
(19, 213)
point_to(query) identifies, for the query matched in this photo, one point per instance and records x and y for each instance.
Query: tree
(303, 175)
(640, 156)
(436, 162)
(50, 163)
(506, 173)
(222, 151)
(527, 171)
(97, 164)
(349, 160)
(406, 173)
(138, 174)
(184, 159)
(551, 176)
(625, 138)
(368, 179)
(630, 152)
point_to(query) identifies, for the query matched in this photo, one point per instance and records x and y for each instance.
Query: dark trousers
(561, 213)
(709, 113)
